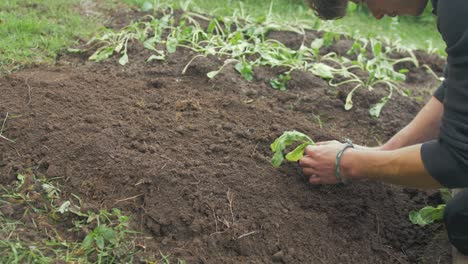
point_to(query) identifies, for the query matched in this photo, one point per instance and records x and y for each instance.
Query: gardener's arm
(403, 166)
(424, 127)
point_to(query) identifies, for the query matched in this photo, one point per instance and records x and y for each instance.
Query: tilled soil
(193, 156)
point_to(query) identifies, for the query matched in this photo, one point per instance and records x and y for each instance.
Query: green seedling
(245, 69)
(241, 39)
(430, 214)
(280, 82)
(287, 139)
(427, 215)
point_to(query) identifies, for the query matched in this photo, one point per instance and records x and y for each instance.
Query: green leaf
(427, 215)
(119, 47)
(102, 54)
(171, 45)
(277, 159)
(245, 69)
(349, 98)
(147, 6)
(349, 101)
(352, 7)
(212, 74)
(106, 232)
(65, 207)
(280, 82)
(156, 57)
(88, 241)
(286, 139)
(211, 27)
(124, 59)
(375, 110)
(322, 70)
(149, 44)
(21, 178)
(298, 153)
(317, 44)
(100, 242)
(377, 49)
(446, 194)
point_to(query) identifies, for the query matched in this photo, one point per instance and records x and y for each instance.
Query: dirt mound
(193, 156)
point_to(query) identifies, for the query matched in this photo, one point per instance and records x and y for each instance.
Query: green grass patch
(40, 223)
(35, 31)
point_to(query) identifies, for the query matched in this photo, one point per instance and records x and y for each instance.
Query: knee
(456, 221)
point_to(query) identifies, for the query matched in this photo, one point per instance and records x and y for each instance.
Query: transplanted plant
(430, 214)
(286, 140)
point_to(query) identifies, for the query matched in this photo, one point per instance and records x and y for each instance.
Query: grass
(35, 31)
(42, 224)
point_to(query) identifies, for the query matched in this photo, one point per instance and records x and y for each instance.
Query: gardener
(432, 150)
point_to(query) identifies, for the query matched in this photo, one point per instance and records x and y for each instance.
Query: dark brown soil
(194, 154)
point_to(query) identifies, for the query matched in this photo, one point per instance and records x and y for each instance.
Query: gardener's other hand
(318, 162)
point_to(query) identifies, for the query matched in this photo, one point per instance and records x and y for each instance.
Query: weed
(30, 232)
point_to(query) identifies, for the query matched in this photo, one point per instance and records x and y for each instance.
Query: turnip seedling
(287, 139)
(427, 215)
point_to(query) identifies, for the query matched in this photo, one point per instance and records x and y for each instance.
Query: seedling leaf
(285, 140)
(212, 74)
(375, 110)
(102, 54)
(298, 153)
(245, 70)
(156, 57)
(322, 70)
(147, 6)
(124, 59)
(427, 215)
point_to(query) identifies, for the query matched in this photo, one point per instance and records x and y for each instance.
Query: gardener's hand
(318, 162)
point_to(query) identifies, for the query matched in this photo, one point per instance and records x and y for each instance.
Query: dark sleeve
(446, 159)
(439, 94)
(442, 165)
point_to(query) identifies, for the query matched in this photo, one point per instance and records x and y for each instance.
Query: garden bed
(188, 158)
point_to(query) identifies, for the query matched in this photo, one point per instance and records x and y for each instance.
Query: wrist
(348, 164)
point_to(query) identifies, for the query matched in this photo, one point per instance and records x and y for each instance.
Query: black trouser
(456, 221)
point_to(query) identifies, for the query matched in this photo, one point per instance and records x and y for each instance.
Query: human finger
(315, 180)
(310, 150)
(307, 162)
(309, 171)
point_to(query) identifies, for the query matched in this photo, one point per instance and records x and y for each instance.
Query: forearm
(424, 127)
(403, 167)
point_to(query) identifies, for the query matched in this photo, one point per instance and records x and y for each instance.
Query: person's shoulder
(452, 19)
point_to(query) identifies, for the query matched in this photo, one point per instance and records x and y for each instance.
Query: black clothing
(447, 159)
(456, 221)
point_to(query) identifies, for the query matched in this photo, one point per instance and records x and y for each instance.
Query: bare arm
(398, 161)
(424, 127)
(402, 166)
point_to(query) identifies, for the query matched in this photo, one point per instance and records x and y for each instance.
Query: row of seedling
(243, 43)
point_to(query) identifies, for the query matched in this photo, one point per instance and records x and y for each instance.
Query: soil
(192, 155)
